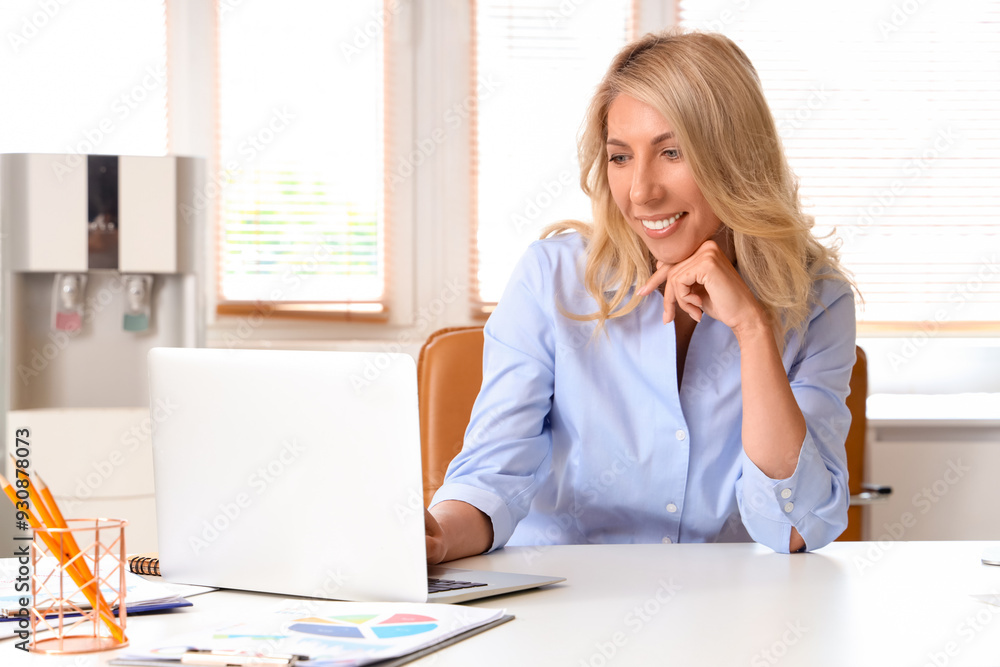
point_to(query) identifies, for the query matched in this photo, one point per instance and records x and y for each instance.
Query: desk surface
(864, 603)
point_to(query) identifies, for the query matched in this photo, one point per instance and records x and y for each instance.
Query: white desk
(902, 603)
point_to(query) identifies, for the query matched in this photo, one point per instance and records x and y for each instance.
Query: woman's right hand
(456, 529)
(435, 539)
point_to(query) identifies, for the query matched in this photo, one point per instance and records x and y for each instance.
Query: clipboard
(291, 661)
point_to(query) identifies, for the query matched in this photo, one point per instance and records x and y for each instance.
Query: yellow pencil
(50, 501)
(76, 566)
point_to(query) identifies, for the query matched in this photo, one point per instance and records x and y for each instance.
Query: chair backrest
(450, 374)
(855, 445)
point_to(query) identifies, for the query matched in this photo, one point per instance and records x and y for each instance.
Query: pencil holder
(78, 587)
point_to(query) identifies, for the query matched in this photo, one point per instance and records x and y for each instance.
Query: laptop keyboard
(435, 585)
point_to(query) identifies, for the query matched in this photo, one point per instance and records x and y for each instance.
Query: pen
(221, 658)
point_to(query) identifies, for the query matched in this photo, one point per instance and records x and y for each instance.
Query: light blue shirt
(578, 438)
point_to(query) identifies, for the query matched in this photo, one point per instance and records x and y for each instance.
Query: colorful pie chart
(365, 626)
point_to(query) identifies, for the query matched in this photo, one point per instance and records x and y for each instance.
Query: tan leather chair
(855, 445)
(450, 374)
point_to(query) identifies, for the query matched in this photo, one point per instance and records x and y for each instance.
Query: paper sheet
(140, 593)
(330, 633)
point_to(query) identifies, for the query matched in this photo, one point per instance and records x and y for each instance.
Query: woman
(677, 370)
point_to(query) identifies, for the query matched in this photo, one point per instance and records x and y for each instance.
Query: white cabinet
(945, 478)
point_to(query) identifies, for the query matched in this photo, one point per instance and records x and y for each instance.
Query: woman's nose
(646, 187)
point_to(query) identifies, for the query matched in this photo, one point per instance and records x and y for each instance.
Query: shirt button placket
(681, 435)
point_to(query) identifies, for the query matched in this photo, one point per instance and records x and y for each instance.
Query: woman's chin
(669, 258)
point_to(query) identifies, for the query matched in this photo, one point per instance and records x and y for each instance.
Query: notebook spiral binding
(148, 565)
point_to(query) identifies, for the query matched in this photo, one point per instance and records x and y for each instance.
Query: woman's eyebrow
(657, 139)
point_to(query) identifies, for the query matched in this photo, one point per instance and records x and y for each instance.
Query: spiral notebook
(147, 564)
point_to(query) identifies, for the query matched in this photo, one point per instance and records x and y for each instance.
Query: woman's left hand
(706, 282)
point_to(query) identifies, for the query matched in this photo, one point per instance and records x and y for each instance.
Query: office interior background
(371, 170)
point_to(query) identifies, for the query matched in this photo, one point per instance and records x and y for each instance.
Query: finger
(655, 280)
(692, 305)
(433, 537)
(683, 286)
(435, 550)
(668, 303)
(689, 308)
(431, 525)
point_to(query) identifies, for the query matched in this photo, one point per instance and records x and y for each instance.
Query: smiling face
(652, 184)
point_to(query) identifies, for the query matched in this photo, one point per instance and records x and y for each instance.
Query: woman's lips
(658, 228)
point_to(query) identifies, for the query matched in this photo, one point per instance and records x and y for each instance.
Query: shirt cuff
(486, 502)
(770, 507)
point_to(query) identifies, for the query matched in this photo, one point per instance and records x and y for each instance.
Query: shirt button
(671, 508)
(786, 493)
(789, 507)
(667, 540)
(680, 434)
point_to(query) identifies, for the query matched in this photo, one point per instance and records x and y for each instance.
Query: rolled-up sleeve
(815, 497)
(507, 445)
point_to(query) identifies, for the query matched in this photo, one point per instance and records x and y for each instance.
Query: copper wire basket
(64, 616)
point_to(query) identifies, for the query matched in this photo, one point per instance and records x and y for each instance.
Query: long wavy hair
(708, 90)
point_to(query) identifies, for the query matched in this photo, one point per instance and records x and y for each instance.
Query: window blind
(890, 115)
(537, 63)
(83, 78)
(301, 142)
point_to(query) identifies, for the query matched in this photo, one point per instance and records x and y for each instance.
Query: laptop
(298, 473)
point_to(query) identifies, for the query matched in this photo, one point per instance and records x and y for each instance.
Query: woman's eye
(672, 153)
(618, 158)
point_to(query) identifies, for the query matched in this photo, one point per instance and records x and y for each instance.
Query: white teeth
(661, 224)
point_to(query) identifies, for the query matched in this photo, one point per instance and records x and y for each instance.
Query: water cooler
(101, 261)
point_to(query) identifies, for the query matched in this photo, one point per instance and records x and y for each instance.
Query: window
(539, 63)
(301, 148)
(84, 78)
(290, 198)
(890, 115)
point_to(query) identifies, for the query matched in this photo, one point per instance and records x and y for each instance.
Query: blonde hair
(706, 87)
